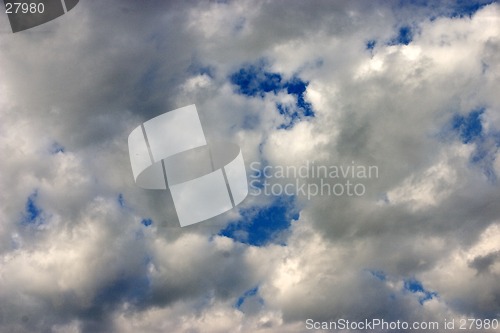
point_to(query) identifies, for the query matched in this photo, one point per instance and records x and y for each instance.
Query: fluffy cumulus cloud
(408, 88)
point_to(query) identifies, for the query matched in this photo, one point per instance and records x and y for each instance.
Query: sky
(408, 87)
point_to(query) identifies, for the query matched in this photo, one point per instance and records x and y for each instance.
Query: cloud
(407, 87)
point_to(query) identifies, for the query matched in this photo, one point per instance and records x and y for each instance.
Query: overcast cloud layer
(409, 88)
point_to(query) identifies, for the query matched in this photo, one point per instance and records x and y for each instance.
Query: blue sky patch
(246, 294)
(298, 87)
(33, 213)
(121, 200)
(256, 81)
(249, 296)
(370, 45)
(378, 274)
(260, 226)
(416, 287)
(469, 127)
(147, 222)
(290, 113)
(465, 8)
(452, 9)
(404, 37)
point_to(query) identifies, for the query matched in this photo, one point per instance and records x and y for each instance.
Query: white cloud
(85, 80)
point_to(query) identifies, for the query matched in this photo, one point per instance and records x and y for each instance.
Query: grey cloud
(88, 78)
(483, 263)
